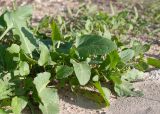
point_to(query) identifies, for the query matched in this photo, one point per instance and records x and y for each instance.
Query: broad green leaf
(6, 60)
(82, 71)
(105, 92)
(126, 55)
(14, 48)
(63, 71)
(56, 35)
(44, 56)
(48, 96)
(132, 75)
(64, 48)
(17, 19)
(126, 89)
(18, 104)
(94, 45)
(24, 68)
(123, 87)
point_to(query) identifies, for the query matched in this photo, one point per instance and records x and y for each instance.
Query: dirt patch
(147, 104)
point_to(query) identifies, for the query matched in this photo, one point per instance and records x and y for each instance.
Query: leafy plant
(35, 65)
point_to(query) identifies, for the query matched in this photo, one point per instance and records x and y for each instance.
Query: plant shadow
(80, 99)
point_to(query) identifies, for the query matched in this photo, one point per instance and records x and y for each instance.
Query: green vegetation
(86, 51)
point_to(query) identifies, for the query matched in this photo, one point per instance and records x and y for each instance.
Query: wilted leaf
(126, 89)
(132, 75)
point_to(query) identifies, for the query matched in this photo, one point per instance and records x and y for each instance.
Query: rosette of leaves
(39, 64)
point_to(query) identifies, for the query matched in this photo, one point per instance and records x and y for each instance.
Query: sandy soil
(148, 104)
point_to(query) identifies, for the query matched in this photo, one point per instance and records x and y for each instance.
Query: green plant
(34, 65)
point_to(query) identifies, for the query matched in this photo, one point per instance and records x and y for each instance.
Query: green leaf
(5, 90)
(24, 68)
(94, 45)
(82, 71)
(105, 92)
(114, 59)
(116, 77)
(126, 89)
(126, 55)
(64, 48)
(18, 104)
(44, 56)
(154, 62)
(48, 96)
(14, 48)
(140, 48)
(56, 35)
(142, 65)
(107, 33)
(63, 71)
(88, 25)
(132, 75)
(95, 78)
(44, 22)
(6, 60)
(17, 19)
(3, 24)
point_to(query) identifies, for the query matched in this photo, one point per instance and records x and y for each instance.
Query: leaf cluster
(34, 65)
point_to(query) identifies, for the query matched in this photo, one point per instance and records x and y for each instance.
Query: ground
(72, 104)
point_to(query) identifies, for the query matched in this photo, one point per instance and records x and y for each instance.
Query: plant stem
(5, 32)
(31, 108)
(59, 42)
